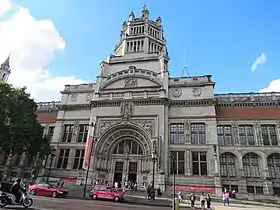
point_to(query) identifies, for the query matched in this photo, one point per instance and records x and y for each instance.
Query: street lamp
(51, 162)
(154, 159)
(92, 125)
(173, 162)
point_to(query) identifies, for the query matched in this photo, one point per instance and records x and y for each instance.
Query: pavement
(47, 203)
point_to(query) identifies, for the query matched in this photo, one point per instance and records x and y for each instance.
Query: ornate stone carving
(257, 127)
(197, 91)
(74, 97)
(131, 82)
(235, 134)
(146, 124)
(177, 92)
(126, 110)
(88, 97)
(75, 131)
(104, 125)
(188, 131)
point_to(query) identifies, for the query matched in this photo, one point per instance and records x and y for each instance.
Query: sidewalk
(215, 204)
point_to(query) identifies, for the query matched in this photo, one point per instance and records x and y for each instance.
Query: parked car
(47, 190)
(106, 193)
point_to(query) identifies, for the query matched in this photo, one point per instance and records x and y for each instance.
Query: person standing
(192, 199)
(208, 202)
(202, 201)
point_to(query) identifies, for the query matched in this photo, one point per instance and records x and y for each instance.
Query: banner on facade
(88, 150)
(194, 188)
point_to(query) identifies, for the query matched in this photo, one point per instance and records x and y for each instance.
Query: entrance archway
(125, 147)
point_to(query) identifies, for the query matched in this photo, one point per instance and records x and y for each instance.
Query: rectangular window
(246, 135)
(79, 159)
(63, 158)
(178, 165)
(50, 133)
(199, 163)
(68, 133)
(177, 133)
(269, 135)
(83, 132)
(224, 135)
(198, 135)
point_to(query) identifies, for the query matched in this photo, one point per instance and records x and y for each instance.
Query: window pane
(195, 168)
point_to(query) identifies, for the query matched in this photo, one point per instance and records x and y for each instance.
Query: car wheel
(54, 194)
(117, 199)
(94, 197)
(32, 192)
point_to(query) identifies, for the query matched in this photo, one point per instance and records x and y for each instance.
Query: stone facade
(136, 109)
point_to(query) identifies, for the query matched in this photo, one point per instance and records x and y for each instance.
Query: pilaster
(187, 162)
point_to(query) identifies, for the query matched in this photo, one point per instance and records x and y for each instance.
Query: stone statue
(126, 112)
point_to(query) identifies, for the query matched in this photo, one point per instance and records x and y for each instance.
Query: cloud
(274, 86)
(259, 61)
(32, 44)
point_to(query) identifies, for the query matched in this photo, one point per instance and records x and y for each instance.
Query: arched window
(251, 165)
(128, 147)
(273, 164)
(227, 165)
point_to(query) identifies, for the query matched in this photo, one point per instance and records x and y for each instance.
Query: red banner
(68, 180)
(194, 188)
(88, 150)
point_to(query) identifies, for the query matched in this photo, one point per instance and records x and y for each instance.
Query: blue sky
(219, 37)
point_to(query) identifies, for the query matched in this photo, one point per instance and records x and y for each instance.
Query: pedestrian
(180, 196)
(208, 202)
(202, 201)
(192, 199)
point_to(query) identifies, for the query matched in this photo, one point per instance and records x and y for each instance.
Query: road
(45, 203)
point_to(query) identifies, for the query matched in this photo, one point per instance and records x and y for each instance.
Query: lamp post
(51, 162)
(154, 159)
(89, 160)
(173, 161)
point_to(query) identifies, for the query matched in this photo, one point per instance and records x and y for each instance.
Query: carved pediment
(131, 82)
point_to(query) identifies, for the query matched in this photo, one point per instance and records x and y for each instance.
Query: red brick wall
(46, 117)
(248, 113)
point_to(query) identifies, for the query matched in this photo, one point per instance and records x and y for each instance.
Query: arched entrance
(131, 151)
(127, 150)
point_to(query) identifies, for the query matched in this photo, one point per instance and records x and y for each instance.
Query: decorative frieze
(105, 124)
(145, 124)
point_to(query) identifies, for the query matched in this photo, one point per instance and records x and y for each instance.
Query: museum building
(136, 114)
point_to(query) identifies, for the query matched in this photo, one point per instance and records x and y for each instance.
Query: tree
(19, 129)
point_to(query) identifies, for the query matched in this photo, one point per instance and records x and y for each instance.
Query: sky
(54, 43)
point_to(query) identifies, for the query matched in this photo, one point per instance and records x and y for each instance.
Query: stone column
(71, 158)
(242, 184)
(187, 162)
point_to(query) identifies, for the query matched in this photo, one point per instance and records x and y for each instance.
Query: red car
(47, 190)
(106, 193)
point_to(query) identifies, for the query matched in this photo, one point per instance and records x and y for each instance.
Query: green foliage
(19, 130)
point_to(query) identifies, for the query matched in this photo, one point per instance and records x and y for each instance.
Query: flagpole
(89, 160)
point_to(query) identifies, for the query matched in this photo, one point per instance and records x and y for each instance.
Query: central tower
(141, 35)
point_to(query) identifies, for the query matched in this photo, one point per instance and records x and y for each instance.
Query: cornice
(242, 104)
(192, 103)
(73, 107)
(165, 102)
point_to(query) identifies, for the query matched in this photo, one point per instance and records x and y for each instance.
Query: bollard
(176, 205)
